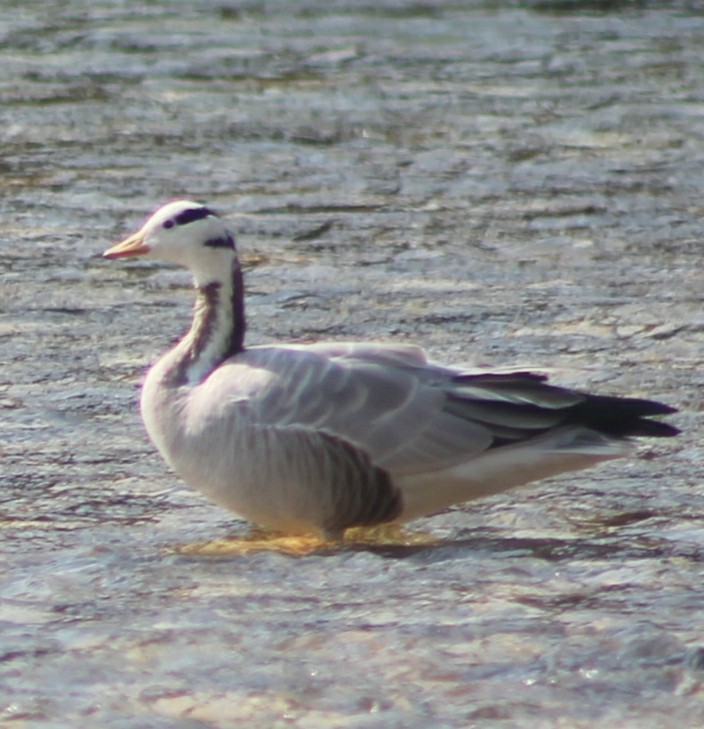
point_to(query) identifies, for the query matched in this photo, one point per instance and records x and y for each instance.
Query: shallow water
(519, 186)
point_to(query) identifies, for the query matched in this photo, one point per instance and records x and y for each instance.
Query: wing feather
(409, 415)
(385, 399)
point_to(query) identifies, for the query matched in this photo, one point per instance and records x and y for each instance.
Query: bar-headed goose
(322, 437)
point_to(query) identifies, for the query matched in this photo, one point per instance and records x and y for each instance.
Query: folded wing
(411, 416)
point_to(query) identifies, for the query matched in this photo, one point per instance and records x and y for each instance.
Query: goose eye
(168, 224)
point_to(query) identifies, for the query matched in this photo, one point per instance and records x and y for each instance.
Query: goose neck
(217, 330)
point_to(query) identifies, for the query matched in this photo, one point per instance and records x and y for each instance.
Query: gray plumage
(327, 436)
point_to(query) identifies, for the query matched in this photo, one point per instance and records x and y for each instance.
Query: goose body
(322, 437)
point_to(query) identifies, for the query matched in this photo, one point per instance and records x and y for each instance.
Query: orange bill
(132, 246)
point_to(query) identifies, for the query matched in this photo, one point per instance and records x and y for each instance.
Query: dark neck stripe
(224, 241)
(207, 304)
(211, 314)
(192, 214)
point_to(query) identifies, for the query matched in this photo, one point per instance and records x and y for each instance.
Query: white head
(187, 233)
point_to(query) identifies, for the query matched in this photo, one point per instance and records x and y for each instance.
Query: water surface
(514, 186)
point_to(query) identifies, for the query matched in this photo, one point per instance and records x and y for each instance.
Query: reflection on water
(514, 186)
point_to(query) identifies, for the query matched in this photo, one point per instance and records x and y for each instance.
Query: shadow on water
(550, 550)
(603, 7)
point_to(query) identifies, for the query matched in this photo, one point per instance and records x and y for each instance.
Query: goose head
(186, 233)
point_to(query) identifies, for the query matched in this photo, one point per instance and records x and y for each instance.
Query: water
(519, 186)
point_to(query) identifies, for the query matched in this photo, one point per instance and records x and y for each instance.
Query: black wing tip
(614, 416)
(647, 408)
(500, 378)
(626, 417)
(654, 429)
